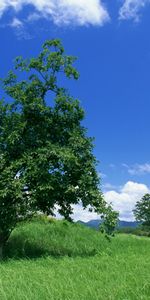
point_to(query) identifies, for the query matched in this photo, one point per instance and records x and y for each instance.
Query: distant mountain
(95, 223)
(128, 224)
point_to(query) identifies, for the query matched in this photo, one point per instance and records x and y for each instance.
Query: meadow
(57, 260)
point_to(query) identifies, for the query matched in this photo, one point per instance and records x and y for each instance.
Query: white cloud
(20, 29)
(83, 214)
(125, 200)
(33, 17)
(138, 169)
(80, 214)
(16, 23)
(62, 12)
(131, 9)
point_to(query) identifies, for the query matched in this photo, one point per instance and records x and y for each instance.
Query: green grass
(61, 261)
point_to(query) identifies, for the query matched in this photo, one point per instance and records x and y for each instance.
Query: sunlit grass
(74, 263)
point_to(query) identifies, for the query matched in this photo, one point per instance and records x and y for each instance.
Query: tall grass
(43, 237)
(74, 263)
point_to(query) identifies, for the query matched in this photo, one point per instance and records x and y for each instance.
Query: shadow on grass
(19, 247)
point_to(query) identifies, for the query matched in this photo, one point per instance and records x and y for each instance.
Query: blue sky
(112, 44)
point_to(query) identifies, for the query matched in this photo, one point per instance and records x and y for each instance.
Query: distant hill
(95, 223)
(128, 224)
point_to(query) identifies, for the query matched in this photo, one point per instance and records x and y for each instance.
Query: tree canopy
(142, 210)
(46, 157)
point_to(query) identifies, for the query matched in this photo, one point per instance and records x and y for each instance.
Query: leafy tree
(109, 223)
(46, 156)
(142, 210)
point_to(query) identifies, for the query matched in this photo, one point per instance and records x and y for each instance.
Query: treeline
(140, 230)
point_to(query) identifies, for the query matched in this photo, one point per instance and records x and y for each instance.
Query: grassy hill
(56, 260)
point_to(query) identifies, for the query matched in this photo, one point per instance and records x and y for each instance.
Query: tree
(110, 219)
(142, 210)
(46, 156)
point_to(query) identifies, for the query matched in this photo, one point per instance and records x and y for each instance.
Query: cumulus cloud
(83, 214)
(80, 214)
(138, 169)
(131, 9)
(124, 201)
(62, 12)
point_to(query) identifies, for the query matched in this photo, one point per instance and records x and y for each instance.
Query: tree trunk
(4, 236)
(3, 239)
(1, 252)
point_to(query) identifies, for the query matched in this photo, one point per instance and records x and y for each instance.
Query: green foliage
(46, 156)
(142, 210)
(110, 221)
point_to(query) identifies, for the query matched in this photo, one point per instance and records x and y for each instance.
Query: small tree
(110, 221)
(46, 157)
(142, 210)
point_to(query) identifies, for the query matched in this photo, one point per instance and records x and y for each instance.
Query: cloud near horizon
(61, 12)
(122, 201)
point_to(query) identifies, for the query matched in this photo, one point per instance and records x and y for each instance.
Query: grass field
(61, 261)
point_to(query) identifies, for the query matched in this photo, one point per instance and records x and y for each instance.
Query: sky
(111, 42)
